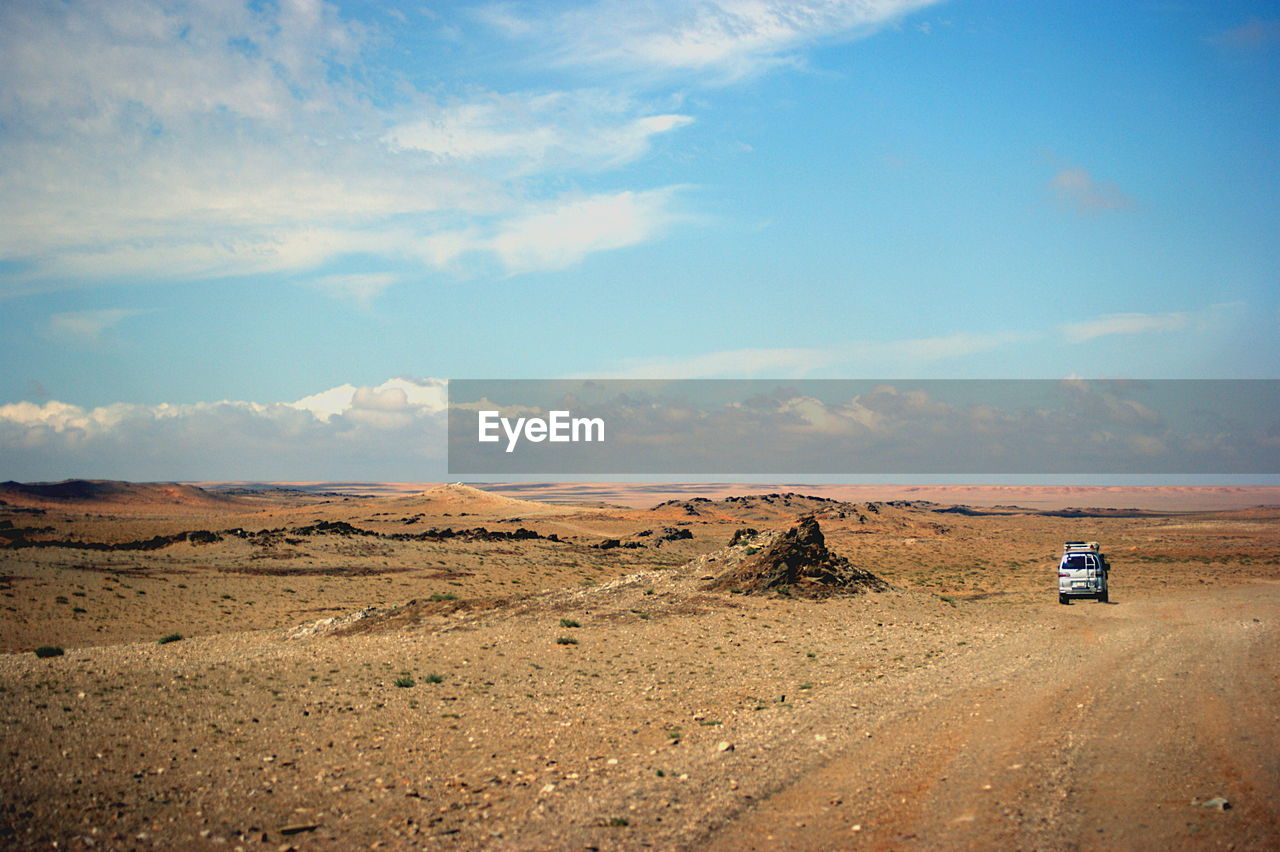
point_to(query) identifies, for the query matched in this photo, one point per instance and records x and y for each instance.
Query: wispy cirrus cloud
(880, 357)
(558, 233)
(152, 141)
(524, 133)
(1125, 323)
(908, 356)
(88, 326)
(725, 40)
(359, 288)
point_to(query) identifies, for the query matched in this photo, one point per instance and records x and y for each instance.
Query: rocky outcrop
(796, 562)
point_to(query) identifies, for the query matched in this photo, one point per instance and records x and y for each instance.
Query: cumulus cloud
(396, 431)
(426, 396)
(1077, 189)
(393, 431)
(930, 427)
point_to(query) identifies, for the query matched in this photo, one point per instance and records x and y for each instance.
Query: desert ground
(447, 667)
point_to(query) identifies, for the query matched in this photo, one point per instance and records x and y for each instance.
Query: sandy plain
(454, 668)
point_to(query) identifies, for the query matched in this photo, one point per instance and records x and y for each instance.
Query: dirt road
(1097, 732)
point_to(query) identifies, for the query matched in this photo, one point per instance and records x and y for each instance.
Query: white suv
(1082, 573)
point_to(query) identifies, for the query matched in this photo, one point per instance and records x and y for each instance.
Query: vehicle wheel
(1064, 600)
(1104, 597)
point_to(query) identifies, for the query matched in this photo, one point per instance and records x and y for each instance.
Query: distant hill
(109, 491)
(456, 498)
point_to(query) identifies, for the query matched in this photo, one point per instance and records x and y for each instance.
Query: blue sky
(213, 212)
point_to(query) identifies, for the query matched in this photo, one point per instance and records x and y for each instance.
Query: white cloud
(560, 233)
(724, 39)
(424, 395)
(525, 133)
(726, 363)
(1077, 189)
(392, 431)
(360, 288)
(867, 357)
(87, 326)
(153, 141)
(1126, 323)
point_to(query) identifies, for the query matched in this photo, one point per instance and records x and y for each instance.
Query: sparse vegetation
(315, 720)
(172, 637)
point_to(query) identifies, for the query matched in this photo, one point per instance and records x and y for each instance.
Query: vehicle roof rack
(1080, 547)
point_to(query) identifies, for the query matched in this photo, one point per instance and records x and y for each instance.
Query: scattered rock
(1217, 803)
(299, 828)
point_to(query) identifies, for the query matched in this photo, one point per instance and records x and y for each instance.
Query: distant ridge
(78, 491)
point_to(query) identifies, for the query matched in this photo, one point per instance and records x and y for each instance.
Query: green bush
(566, 640)
(172, 637)
(49, 651)
(404, 681)
(569, 622)
(435, 678)
(444, 596)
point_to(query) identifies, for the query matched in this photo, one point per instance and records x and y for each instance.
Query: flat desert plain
(455, 668)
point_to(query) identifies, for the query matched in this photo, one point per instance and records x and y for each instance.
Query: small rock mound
(796, 561)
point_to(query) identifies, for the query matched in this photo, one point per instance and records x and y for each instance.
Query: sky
(254, 240)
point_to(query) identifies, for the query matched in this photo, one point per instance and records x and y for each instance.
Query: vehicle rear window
(1078, 562)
